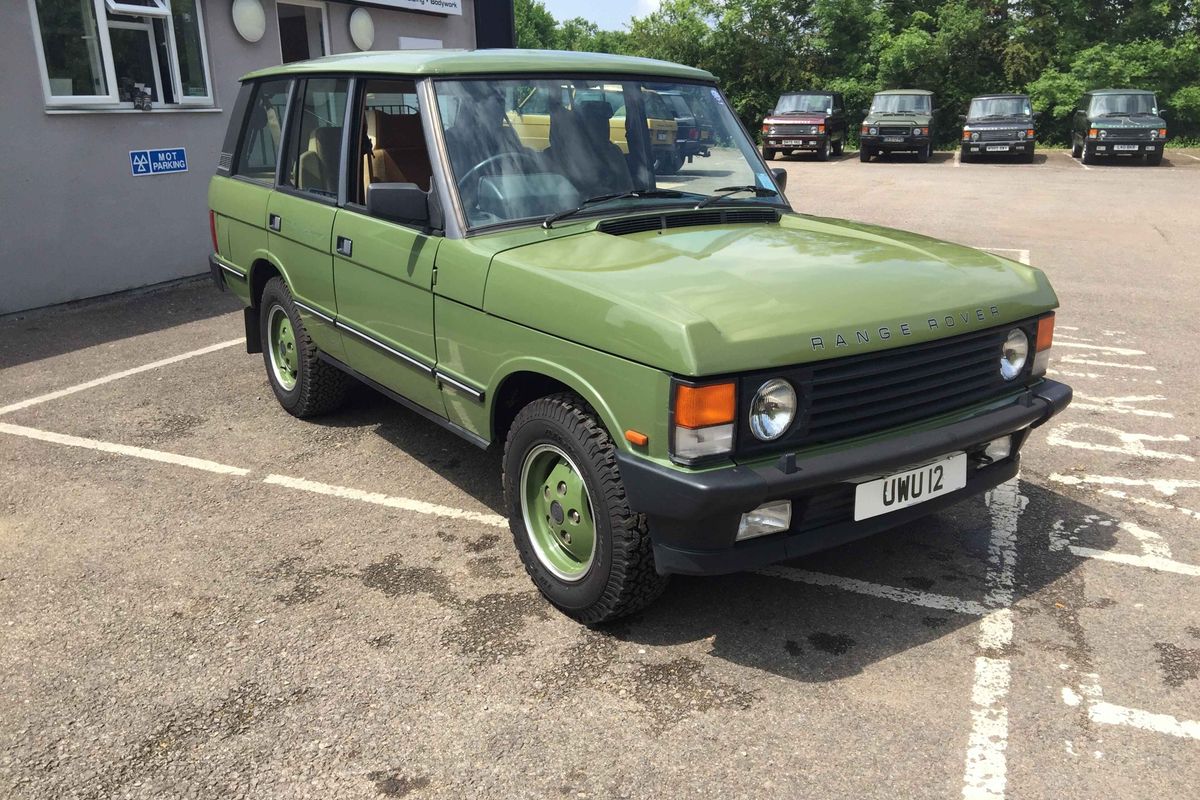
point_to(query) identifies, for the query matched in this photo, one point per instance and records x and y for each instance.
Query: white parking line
(1189, 155)
(1092, 696)
(899, 595)
(1091, 363)
(122, 450)
(116, 376)
(402, 503)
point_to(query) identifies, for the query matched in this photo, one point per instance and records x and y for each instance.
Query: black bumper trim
(680, 495)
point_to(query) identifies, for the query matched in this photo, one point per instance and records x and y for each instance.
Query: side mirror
(399, 202)
(935, 110)
(865, 111)
(1037, 116)
(780, 176)
(962, 117)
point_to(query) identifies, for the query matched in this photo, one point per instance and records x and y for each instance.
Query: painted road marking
(1132, 444)
(403, 503)
(899, 595)
(986, 769)
(122, 450)
(1164, 486)
(1121, 405)
(1116, 351)
(1156, 555)
(1094, 363)
(1091, 696)
(116, 376)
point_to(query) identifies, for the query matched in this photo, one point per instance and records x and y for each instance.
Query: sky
(608, 14)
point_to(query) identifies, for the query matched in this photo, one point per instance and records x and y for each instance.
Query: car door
(302, 208)
(383, 269)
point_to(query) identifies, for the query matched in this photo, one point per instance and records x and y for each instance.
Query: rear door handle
(274, 222)
(345, 247)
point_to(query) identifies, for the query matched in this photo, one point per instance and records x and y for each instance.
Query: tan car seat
(400, 155)
(319, 163)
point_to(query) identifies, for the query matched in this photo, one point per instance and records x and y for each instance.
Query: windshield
(901, 103)
(805, 104)
(1124, 104)
(1000, 107)
(527, 149)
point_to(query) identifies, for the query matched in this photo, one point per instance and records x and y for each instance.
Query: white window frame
(324, 22)
(111, 100)
(149, 30)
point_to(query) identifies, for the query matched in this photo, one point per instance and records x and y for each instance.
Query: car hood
(1128, 122)
(713, 299)
(1015, 121)
(922, 120)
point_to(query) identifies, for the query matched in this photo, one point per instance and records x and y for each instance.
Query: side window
(314, 147)
(391, 140)
(259, 151)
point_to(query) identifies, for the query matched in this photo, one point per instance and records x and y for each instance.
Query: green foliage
(1052, 49)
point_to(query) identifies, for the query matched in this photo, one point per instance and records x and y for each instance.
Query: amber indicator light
(701, 406)
(1045, 333)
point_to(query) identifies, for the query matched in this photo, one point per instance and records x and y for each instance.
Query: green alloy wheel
(282, 344)
(587, 552)
(303, 384)
(557, 512)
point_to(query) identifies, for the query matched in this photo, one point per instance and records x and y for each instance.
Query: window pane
(259, 149)
(187, 45)
(315, 137)
(133, 60)
(71, 44)
(392, 142)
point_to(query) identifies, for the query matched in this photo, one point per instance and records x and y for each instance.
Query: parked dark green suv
(899, 120)
(1118, 122)
(999, 124)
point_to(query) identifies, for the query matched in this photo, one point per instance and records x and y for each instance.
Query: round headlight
(1153, 133)
(772, 131)
(874, 130)
(975, 137)
(1020, 134)
(1014, 354)
(1103, 133)
(773, 409)
(812, 128)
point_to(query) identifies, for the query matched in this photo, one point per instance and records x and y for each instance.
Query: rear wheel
(1076, 148)
(303, 384)
(587, 552)
(839, 147)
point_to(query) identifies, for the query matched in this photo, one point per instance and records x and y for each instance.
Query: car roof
(1000, 97)
(482, 62)
(905, 91)
(1120, 91)
(807, 91)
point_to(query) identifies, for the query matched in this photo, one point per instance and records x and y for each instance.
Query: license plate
(997, 148)
(893, 138)
(704, 137)
(1149, 148)
(662, 136)
(1125, 147)
(794, 142)
(910, 487)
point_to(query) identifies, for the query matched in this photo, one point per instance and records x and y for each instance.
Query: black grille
(794, 130)
(1129, 135)
(892, 130)
(844, 398)
(658, 222)
(997, 136)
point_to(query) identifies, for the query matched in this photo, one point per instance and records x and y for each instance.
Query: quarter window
(122, 53)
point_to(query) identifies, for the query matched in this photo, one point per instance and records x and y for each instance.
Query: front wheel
(587, 552)
(924, 153)
(864, 154)
(965, 156)
(839, 147)
(1154, 159)
(823, 153)
(1089, 154)
(1076, 147)
(303, 384)
(769, 154)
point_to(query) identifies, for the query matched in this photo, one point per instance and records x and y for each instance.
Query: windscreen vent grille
(714, 216)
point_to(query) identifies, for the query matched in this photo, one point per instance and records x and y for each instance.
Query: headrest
(396, 131)
(326, 141)
(592, 110)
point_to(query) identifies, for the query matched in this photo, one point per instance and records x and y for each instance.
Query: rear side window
(314, 148)
(259, 151)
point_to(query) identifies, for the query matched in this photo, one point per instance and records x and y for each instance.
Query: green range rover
(685, 374)
(1118, 122)
(898, 121)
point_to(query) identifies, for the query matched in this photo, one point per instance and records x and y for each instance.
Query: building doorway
(303, 30)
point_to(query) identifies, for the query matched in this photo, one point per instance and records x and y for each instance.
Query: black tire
(1089, 154)
(823, 153)
(839, 147)
(1154, 159)
(769, 154)
(864, 154)
(1028, 157)
(319, 387)
(924, 153)
(621, 578)
(964, 156)
(1076, 148)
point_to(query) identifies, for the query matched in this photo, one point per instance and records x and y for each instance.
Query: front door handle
(274, 222)
(345, 247)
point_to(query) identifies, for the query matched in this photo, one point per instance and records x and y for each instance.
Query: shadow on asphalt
(44, 333)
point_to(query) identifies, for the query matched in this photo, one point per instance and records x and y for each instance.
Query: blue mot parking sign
(158, 162)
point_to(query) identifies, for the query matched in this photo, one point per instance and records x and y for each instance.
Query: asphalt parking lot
(204, 597)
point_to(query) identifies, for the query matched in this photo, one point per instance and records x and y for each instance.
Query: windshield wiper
(726, 191)
(549, 221)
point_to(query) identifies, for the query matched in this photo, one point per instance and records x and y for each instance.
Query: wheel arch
(524, 381)
(264, 267)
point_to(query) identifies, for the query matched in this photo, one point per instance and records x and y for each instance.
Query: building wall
(74, 222)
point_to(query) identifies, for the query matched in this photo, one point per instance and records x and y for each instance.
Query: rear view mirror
(780, 177)
(399, 202)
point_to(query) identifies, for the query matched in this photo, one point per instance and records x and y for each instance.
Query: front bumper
(807, 141)
(694, 515)
(1001, 148)
(1112, 146)
(905, 143)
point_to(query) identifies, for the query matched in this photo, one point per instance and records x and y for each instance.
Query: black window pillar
(495, 24)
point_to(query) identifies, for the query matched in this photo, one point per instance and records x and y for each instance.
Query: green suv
(1118, 122)
(685, 376)
(898, 121)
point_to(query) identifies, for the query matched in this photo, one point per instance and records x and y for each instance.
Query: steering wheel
(468, 184)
